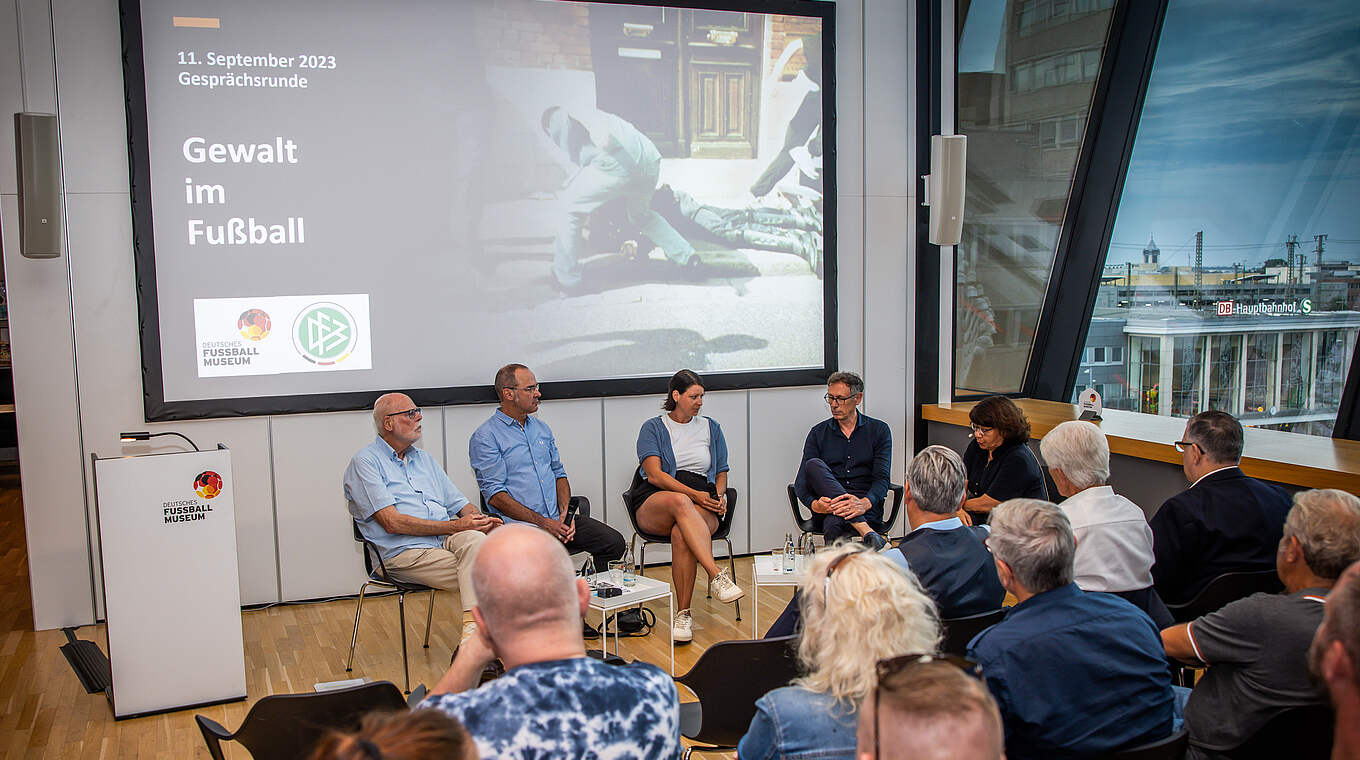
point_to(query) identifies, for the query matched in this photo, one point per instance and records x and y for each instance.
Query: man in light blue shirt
(425, 529)
(521, 476)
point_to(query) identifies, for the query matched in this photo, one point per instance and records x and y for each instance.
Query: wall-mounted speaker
(945, 186)
(39, 185)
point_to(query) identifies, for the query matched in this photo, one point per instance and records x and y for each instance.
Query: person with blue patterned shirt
(405, 504)
(553, 701)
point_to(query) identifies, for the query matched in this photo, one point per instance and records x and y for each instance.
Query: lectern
(172, 597)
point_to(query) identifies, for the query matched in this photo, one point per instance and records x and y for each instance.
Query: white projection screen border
(332, 199)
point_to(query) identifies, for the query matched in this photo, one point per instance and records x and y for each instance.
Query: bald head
(931, 711)
(524, 581)
(387, 404)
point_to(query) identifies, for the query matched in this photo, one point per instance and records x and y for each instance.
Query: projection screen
(336, 198)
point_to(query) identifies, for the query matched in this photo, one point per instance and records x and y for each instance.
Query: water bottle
(788, 552)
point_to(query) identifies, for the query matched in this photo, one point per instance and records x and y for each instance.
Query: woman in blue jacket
(681, 491)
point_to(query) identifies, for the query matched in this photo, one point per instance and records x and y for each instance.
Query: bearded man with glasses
(424, 527)
(843, 476)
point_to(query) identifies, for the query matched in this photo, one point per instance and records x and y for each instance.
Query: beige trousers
(445, 568)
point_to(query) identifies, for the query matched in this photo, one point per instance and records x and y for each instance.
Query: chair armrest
(213, 735)
(582, 505)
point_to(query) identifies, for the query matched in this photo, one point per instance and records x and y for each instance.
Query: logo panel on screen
(235, 336)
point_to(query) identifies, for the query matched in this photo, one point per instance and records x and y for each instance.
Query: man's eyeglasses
(409, 414)
(1181, 446)
(837, 400)
(888, 668)
(527, 389)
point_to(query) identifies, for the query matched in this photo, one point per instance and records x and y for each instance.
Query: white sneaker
(682, 628)
(724, 588)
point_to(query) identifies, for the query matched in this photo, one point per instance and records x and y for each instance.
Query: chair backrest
(805, 524)
(884, 527)
(288, 726)
(1298, 733)
(959, 631)
(728, 679)
(1171, 748)
(369, 549)
(1226, 588)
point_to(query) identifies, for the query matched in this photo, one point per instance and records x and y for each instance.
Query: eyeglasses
(980, 428)
(826, 580)
(892, 666)
(527, 389)
(409, 414)
(830, 399)
(1181, 446)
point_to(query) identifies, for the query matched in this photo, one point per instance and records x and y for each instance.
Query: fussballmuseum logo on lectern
(236, 337)
(324, 333)
(207, 485)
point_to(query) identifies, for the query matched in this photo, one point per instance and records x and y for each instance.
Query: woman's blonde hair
(869, 609)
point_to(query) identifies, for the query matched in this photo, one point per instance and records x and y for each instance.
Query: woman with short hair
(1000, 466)
(859, 607)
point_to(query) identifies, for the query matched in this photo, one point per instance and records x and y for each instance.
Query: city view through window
(1233, 277)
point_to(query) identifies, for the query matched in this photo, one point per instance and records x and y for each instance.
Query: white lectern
(172, 597)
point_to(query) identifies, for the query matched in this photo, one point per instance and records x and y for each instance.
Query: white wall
(77, 372)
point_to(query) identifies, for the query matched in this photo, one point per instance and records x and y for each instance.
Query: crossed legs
(691, 530)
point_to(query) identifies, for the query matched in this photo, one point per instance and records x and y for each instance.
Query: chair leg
(354, 638)
(688, 751)
(732, 566)
(401, 616)
(429, 618)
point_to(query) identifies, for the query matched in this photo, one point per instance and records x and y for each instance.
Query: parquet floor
(45, 713)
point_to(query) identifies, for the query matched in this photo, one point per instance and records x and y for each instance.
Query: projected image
(601, 191)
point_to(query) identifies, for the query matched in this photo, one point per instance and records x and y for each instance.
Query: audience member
(999, 463)
(843, 477)
(680, 490)
(1074, 673)
(399, 735)
(1334, 659)
(521, 475)
(1256, 646)
(928, 709)
(1224, 522)
(423, 526)
(1114, 542)
(553, 701)
(948, 558)
(861, 607)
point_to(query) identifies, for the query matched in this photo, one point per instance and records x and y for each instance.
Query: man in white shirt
(1114, 541)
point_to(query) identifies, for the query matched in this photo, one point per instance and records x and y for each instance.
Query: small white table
(769, 572)
(645, 590)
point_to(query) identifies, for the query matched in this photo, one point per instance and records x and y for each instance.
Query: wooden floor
(44, 711)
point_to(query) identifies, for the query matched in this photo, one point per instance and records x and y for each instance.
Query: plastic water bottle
(788, 552)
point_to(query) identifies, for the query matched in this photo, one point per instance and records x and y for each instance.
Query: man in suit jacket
(1224, 522)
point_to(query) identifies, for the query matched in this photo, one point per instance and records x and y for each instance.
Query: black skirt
(642, 488)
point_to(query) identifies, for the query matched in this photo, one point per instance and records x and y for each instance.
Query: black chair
(1171, 748)
(959, 631)
(724, 527)
(812, 524)
(1298, 733)
(288, 726)
(1228, 587)
(728, 679)
(378, 577)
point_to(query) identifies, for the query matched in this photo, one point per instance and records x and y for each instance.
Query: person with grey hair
(1225, 522)
(1114, 542)
(1074, 673)
(1334, 659)
(553, 700)
(843, 476)
(1257, 647)
(948, 556)
(424, 527)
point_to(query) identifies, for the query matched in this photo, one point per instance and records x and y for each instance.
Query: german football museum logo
(325, 333)
(208, 484)
(253, 324)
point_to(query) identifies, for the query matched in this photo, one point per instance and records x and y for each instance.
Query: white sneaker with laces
(725, 589)
(682, 628)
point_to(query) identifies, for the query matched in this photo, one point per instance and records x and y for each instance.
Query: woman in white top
(680, 490)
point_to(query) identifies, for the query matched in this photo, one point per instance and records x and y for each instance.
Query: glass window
(1145, 373)
(1025, 78)
(1236, 231)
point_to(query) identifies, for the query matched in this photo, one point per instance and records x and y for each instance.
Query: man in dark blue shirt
(1075, 674)
(843, 477)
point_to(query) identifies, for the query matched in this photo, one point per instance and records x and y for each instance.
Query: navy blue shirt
(1076, 674)
(861, 462)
